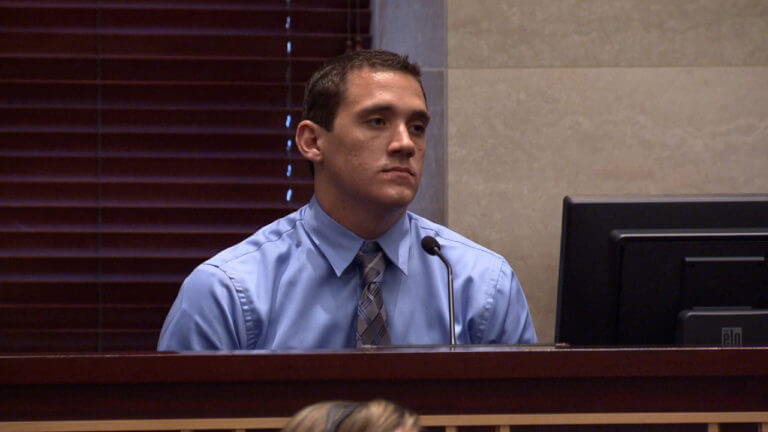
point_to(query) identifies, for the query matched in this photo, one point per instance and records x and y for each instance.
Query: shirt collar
(340, 245)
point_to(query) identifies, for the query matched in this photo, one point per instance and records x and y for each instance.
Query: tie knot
(370, 258)
(368, 250)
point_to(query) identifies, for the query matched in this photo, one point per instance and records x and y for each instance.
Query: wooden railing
(502, 387)
(501, 423)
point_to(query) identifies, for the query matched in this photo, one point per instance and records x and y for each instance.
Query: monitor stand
(732, 326)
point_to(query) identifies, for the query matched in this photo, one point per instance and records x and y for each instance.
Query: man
(347, 269)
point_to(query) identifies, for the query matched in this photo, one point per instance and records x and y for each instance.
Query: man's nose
(402, 142)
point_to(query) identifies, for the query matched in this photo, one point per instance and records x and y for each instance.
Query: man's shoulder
(272, 239)
(451, 242)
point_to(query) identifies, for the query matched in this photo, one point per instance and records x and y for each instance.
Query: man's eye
(418, 129)
(377, 121)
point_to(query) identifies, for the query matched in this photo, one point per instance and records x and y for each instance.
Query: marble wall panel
(522, 139)
(430, 201)
(417, 28)
(599, 33)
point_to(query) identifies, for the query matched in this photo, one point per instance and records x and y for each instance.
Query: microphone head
(430, 245)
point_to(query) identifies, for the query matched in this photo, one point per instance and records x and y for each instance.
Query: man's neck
(364, 220)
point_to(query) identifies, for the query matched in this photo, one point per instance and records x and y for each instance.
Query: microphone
(432, 247)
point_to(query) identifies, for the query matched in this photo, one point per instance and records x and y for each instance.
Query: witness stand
(498, 388)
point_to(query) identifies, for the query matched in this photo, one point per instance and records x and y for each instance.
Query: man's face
(375, 153)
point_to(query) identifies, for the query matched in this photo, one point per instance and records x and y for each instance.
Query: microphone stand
(432, 247)
(450, 296)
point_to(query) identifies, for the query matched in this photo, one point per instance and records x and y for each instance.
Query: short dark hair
(326, 87)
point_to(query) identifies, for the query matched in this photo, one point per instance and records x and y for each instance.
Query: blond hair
(338, 416)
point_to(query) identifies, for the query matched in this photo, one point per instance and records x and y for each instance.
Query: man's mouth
(405, 170)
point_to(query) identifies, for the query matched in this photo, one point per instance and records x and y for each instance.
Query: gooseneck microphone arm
(432, 247)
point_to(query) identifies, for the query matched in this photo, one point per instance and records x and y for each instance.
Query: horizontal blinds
(138, 138)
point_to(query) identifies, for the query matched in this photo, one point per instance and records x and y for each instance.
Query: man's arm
(206, 315)
(510, 322)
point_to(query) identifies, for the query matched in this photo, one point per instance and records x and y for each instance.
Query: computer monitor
(629, 265)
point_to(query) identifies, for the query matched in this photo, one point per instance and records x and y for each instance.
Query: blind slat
(149, 45)
(228, 70)
(56, 316)
(141, 94)
(87, 292)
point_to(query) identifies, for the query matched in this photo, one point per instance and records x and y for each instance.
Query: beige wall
(560, 97)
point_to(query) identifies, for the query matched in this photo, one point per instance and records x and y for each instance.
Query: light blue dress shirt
(294, 285)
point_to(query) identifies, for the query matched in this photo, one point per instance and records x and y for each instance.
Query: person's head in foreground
(337, 416)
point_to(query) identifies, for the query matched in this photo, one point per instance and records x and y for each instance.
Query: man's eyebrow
(422, 115)
(376, 108)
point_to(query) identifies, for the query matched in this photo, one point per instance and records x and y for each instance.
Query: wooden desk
(469, 385)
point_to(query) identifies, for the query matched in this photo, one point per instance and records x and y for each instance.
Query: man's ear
(308, 135)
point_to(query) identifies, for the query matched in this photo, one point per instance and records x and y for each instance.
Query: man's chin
(398, 199)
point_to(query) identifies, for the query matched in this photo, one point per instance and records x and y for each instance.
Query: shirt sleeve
(206, 315)
(511, 321)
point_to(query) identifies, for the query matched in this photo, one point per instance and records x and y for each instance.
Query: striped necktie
(372, 326)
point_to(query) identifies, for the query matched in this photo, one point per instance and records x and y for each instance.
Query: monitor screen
(630, 265)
